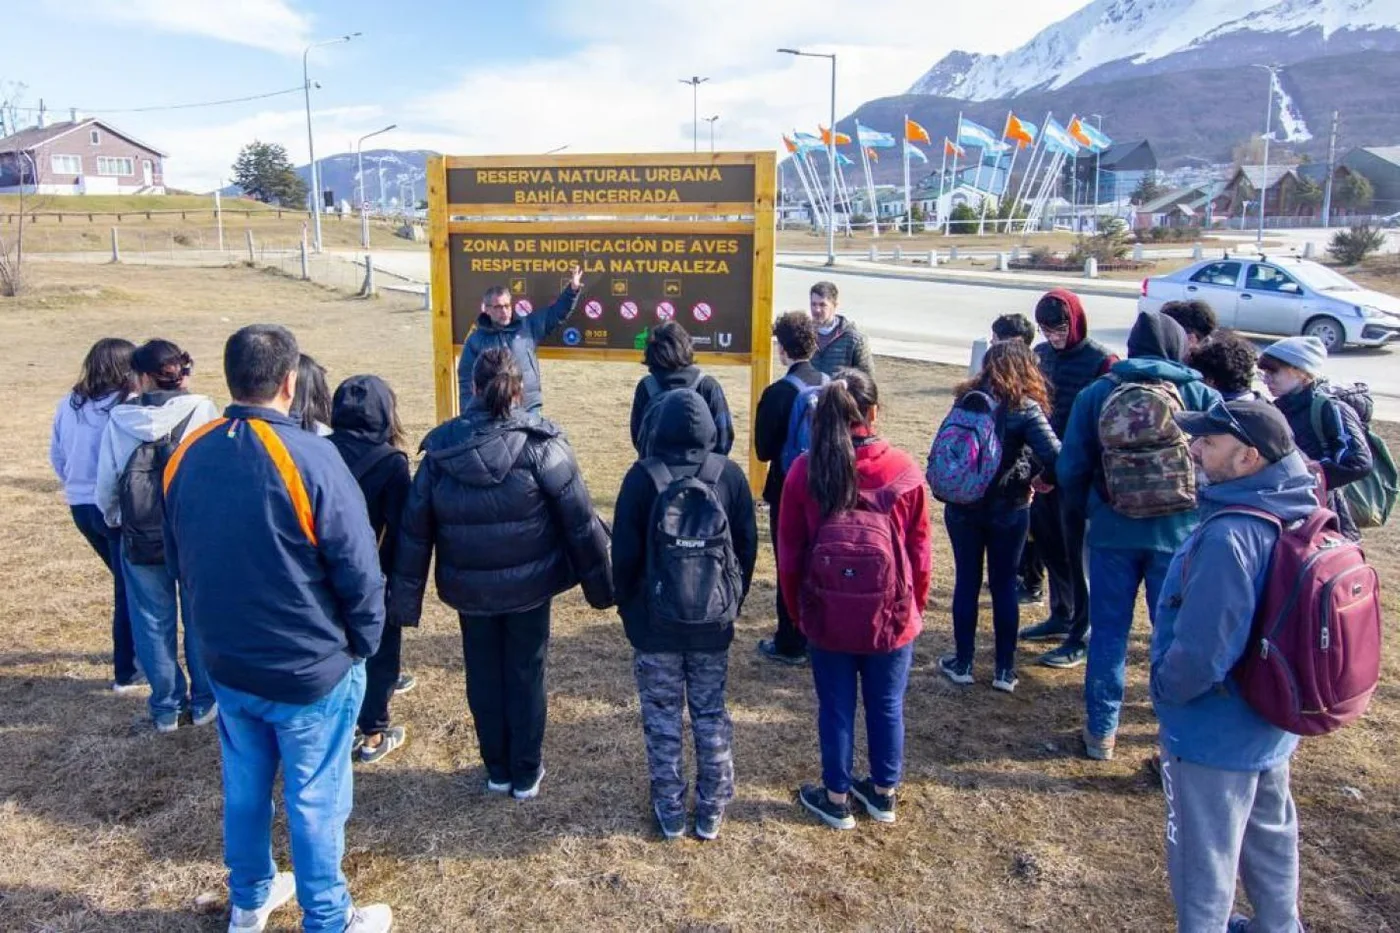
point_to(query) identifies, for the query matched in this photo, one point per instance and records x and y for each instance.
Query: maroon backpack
(1314, 652)
(858, 593)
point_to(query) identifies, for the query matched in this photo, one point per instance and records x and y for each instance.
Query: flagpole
(799, 160)
(908, 195)
(844, 184)
(822, 194)
(943, 169)
(869, 186)
(953, 183)
(982, 221)
(1035, 153)
(1010, 170)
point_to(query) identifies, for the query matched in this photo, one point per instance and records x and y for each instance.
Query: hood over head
(1060, 306)
(1155, 334)
(363, 408)
(153, 415)
(685, 429)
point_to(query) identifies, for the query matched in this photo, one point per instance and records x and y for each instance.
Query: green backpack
(1372, 497)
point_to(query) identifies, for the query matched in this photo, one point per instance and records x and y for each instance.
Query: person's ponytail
(498, 383)
(844, 404)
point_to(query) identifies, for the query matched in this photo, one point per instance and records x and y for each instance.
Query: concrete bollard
(1137, 252)
(1308, 250)
(1015, 254)
(952, 254)
(898, 254)
(1198, 252)
(369, 290)
(874, 254)
(1003, 262)
(1091, 268)
(252, 258)
(116, 247)
(979, 350)
(427, 298)
(305, 264)
(933, 259)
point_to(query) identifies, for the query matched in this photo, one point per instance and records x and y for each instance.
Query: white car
(1282, 296)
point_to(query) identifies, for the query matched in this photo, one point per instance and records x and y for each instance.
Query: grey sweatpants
(667, 683)
(1224, 823)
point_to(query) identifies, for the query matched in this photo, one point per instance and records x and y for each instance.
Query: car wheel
(1329, 331)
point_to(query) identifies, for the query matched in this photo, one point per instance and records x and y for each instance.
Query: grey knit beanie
(1305, 353)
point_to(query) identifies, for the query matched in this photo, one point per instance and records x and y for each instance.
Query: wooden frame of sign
(688, 236)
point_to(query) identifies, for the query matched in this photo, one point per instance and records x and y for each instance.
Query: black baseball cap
(1250, 421)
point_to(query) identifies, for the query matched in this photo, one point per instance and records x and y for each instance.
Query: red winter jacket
(877, 464)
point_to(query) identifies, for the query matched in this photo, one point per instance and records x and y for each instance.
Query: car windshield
(1322, 279)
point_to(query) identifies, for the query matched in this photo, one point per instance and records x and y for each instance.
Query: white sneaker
(493, 788)
(376, 918)
(284, 888)
(531, 792)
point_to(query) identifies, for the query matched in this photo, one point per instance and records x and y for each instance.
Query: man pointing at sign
(500, 326)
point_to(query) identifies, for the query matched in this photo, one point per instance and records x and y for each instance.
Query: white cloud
(617, 87)
(264, 24)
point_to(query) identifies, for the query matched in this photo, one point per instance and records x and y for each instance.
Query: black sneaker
(707, 825)
(957, 673)
(768, 648)
(405, 683)
(671, 825)
(1052, 629)
(1030, 595)
(389, 740)
(879, 806)
(815, 800)
(1065, 656)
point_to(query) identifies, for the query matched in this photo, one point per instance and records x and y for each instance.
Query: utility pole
(1331, 168)
(1268, 135)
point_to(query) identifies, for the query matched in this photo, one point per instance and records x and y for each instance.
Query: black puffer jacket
(1029, 449)
(506, 508)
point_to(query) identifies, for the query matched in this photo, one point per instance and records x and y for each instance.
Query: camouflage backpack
(1147, 466)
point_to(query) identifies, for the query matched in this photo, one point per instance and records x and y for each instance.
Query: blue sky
(472, 76)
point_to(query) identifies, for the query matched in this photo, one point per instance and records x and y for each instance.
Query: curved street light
(310, 142)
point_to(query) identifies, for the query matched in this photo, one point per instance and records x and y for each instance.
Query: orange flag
(871, 154)
(915, 133)
(1016, 132)
(841, 138)
(791, 146)
(1077, 131)
(953, 149)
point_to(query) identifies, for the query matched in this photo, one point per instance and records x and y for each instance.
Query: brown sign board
(632, 282)
(601, 187)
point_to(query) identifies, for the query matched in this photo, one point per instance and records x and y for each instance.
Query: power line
(206, 103)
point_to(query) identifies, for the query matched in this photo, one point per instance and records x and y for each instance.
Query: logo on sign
(628, 310)
(702, 312)
(523, 307)
(665, 311)
(619, 288)
(725, 339)
(671, 288)
(593, 308)
(572, 337)
(518, 286)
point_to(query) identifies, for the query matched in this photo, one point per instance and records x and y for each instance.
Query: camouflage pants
(667, 683)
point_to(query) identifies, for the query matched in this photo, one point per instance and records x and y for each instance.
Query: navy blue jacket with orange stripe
(268, 534)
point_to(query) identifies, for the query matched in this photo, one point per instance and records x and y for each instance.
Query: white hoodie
(131, 426)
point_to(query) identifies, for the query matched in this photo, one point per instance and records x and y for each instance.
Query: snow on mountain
(1142, 31)
(1292, 127)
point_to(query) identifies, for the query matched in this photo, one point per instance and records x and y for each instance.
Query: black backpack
(141, 496)
(656, 391)
(693, 577)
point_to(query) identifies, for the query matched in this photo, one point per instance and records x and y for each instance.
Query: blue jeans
(883, 679)
(156, 604)
(1114, 578)
(107, 543)
(998, 536)
(312, 744)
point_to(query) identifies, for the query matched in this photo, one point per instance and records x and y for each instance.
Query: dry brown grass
(1002, 826)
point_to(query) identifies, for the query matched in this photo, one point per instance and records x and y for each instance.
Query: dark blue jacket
(521, 336)
(269, 536)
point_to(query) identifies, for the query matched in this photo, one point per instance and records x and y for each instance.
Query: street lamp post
(830, 152)
(711, 121)
(694, 81)
(1268, 134)
(310, 141)
(360, 175)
